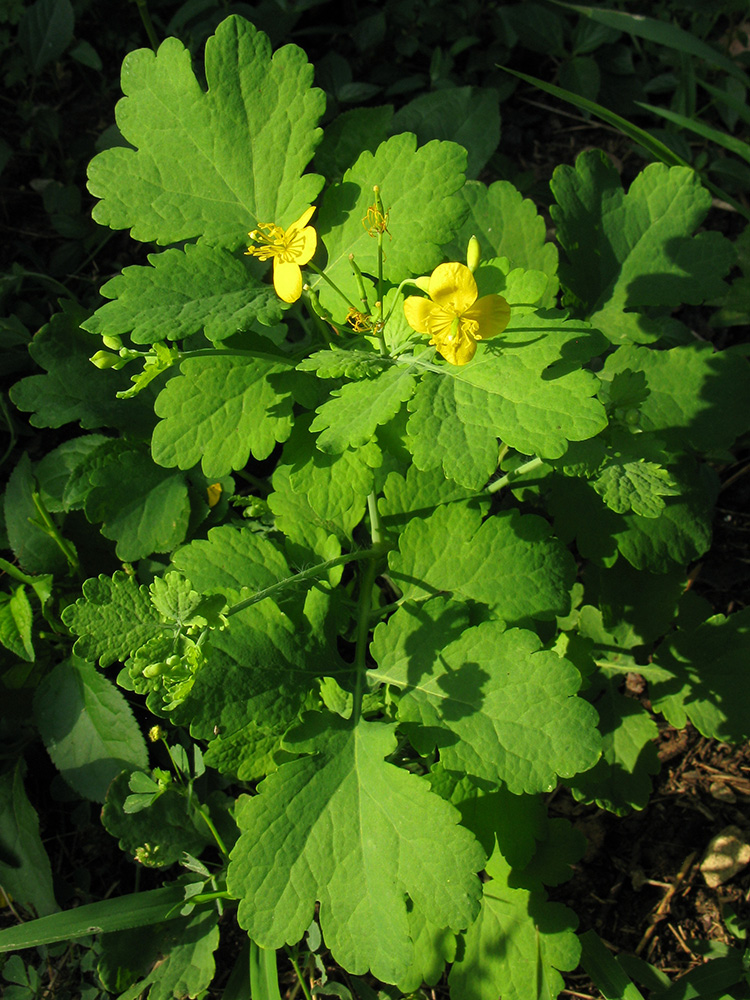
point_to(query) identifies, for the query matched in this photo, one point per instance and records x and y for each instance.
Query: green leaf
(73, 390)
(271, 664)
(174, 956)
(511, 562)
(218, 411)
(364, 838)
(336, 487)
(112, 619)
(87, 727)
(695, 396)
(509, 707)
(232, 559)
(620, 781)
(709, 685)
(419, 493)
(58, 466)
(25, 872)
(211, 163)
(605, 971)
(16, 619)
(520, 391)
(681, 533)
(143, 507)
(309, 536)
(156, 837)
(176, 601)
(196, 290)
(186, 965)
(506, 225)
(628, 251)
(466, 115)
(34, 548)
(537, 940)
(354, 412)
(636, 607)
(270, 659)
(45, 31)
(635, 485)
(353, 364)
(419, 191)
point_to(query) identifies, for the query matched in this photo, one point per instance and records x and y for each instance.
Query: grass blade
(139, 909)
(649, 142)
(605, 973)
(736, 146)
(661, 32)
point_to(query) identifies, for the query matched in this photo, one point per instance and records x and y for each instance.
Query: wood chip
(727, 853)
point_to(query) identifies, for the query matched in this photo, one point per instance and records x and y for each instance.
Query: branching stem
(522, 470)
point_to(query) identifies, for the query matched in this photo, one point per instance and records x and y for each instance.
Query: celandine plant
(386, 641)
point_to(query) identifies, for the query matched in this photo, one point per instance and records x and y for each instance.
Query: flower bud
(103, 360)
(113, 343)
(473, 254)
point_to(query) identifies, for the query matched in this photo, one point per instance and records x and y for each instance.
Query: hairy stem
(522, 470)
(306, 574)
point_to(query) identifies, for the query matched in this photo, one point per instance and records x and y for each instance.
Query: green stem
(334, 286)
(511, 477)
(148, 24)
(207, 897)
(51, 529)
(300, 979)
(363, 609)
(360, 283)
(306, 574)
(209, 823)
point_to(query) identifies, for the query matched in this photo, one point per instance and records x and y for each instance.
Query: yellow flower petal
(287, 280)
(304, 245)
(303, 219)
(459, 351)
(452, 286)
(418, 312)
(442, 324)
(492, 313)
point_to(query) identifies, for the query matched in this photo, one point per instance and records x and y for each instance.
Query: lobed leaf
(695, 396)
(509, 708)
(218, 411)
(419, 188)
(350, 418)
(112, 619)
(211, 163)
(506, 225)
(627, 251)
(511, 562)
(196, 290)
(620, 781)
(529, 390)
(362, 840)
(537, 939)
(709, 685)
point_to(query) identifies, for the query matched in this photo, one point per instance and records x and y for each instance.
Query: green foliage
(381, 602)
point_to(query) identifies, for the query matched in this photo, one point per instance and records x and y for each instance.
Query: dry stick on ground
(663, 908)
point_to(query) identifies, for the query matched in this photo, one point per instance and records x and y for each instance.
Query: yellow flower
(455, 319)
(290, 249)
